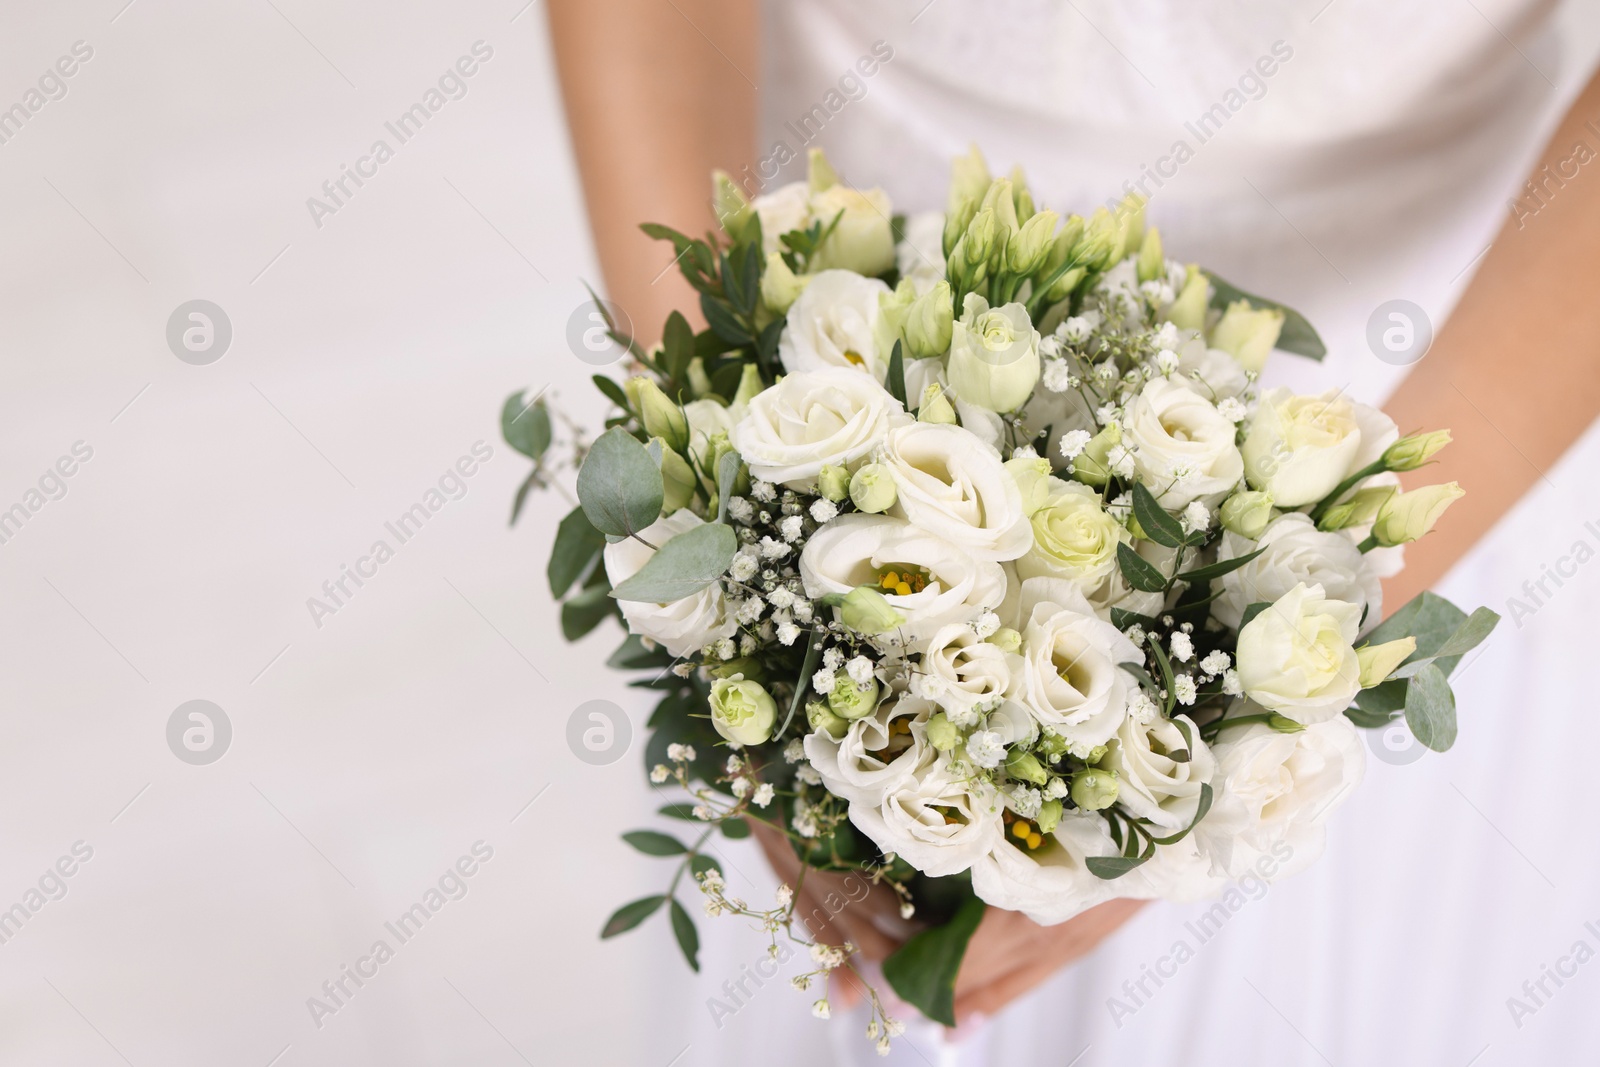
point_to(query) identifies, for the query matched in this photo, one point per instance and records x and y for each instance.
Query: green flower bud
(1407, 516)
(1093, 790)
(678, 481)
(819, 172)
(851, 701)
(1000, 199)
(741, 667)
(1027, 252)
(1248, 334)
(1130, 225)
(1006, 639)
(750, 385)
(1052, 744)
(699, 381)
(1409, 453)
(1285, 725)
(661, 417)
(929, 322)
(1096, 754)
(1360, 507)
(969, 179)
(1032, 475)
(1092, 466)
(935, 407)
(1152, 263)
(1247, 513)
(742, 711)
(872, 489)
(1188, 312)
(1049, 816)
(732, 207)
(780, 286)
(1025, 766)
(942, 733)
(833, 483)
(1379, 661)
(821, 717)
(1101, 242)
(983, 238)
(867, 611)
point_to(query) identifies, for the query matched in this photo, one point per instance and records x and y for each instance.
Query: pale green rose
(872, 489)
(994, 355)
(851, 701)
(1073, 536)
(742, 711)
(1407, 516)
(1006, 639)
(1248, 334)
(862, 240)
(1379, 661)
(1247, 514)
(1297, 656)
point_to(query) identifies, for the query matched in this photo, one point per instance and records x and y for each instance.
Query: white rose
(1073, 536)
(862, 239)
(856, 550)
(956, 487)
(684, 626)
(1070, 679)
(1275, 791)
(873, 756)
(965, 671)
(807, 421)
(1296, 552)
(1298, 448)
(994, 355)
(935, 820)
(921, 253)
(784, 209)
(1296, 657)
(1183, 447)
(834, 323)
(1152, 784)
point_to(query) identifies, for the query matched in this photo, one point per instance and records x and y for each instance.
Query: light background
(368, 354)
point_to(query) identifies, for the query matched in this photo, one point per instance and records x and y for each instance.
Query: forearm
(657, 93)
(1515, 373)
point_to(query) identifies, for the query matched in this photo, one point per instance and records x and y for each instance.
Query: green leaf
(578, 545)
(1109, 867)
(700, 863)
(682, 810)
(720, 317)
(619, 485)
(586, 610)
(683, 566)
(1479, 625)
(1219, 568)
(613, 392)
(734, 829)
(1431, 709)
(1122, 618)
(923, 970)
(1139, 572)
(677, 342)
(522, 494)
(1199, 811)
(628, 916)
(1370, 720)
(1164, 665)
(807, 668)
(652, 843)
(526, 426)
(688, 937)
(632, 655)
(897, 375)
(1159, 526)
(1251, 611)
(1431, 619)
(727, 475)
(1297, 335)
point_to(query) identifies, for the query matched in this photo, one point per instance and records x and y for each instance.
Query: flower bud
(1021, 197)
(742, 666)
(1093, 789)
(942, 733)
(678, 480)
(1188, 312)
(1248, 334)
(867, 611)
(1092, 466)
(969, 179)
(1032, 475)
(1006, 639)
(821, 717)
(929, 322)
(1247, 513)
(851, 701)
(661, 417)
(1130, 225)
(1284, 725)
(872, 489)
(731, 205)
(750, 385)
(780, 286)
(1407, 516)
(936, 407)
(1027, 251)
(1152, 263)
(1025, 766)
(1361, 506)
(833, 483)
(983, 238)
(742, 711)
(820, 175)
(1379, 661)
(1409, 453)
(1101, 242)
(1049, 816)
(699, 380)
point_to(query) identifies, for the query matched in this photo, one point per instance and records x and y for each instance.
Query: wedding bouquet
(968, 555)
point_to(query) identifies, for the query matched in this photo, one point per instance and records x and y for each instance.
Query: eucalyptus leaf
(1157, 524)
(628, 916)
(1140, 572)
(1471, 633)
(683, 566)
(619, 485)
(923, 970)
(1297, 336)
(688, 937)
(1428, 617)
(527, 486)
(632, 655)
(526, 425)
(578, 544)
(1431, 709)
(585, 610)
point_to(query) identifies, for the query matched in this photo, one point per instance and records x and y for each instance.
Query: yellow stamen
(1019, 831)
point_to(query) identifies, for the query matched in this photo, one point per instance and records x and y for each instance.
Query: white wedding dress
(1375, 162)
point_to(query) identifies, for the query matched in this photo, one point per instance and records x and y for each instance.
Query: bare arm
(1515, 373)
(658, 92)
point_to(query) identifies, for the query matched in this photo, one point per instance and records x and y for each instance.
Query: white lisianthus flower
(1296, 553)
(1113, 591)
(1209, 372)
(956, 487)
(994, 355)
(1160, 770)
(811, 420)
(1297, 656)
(1073, 536)
(684, 626)
(834, 323)
(870, 759)
(1070, 679)
(862, 239)
(935, 820)
(944, 584)
(921, 254)
(1298, 448)
(706, 418)
(1182, 447)
(784, 209)
(1276, 790)
(970, 671)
